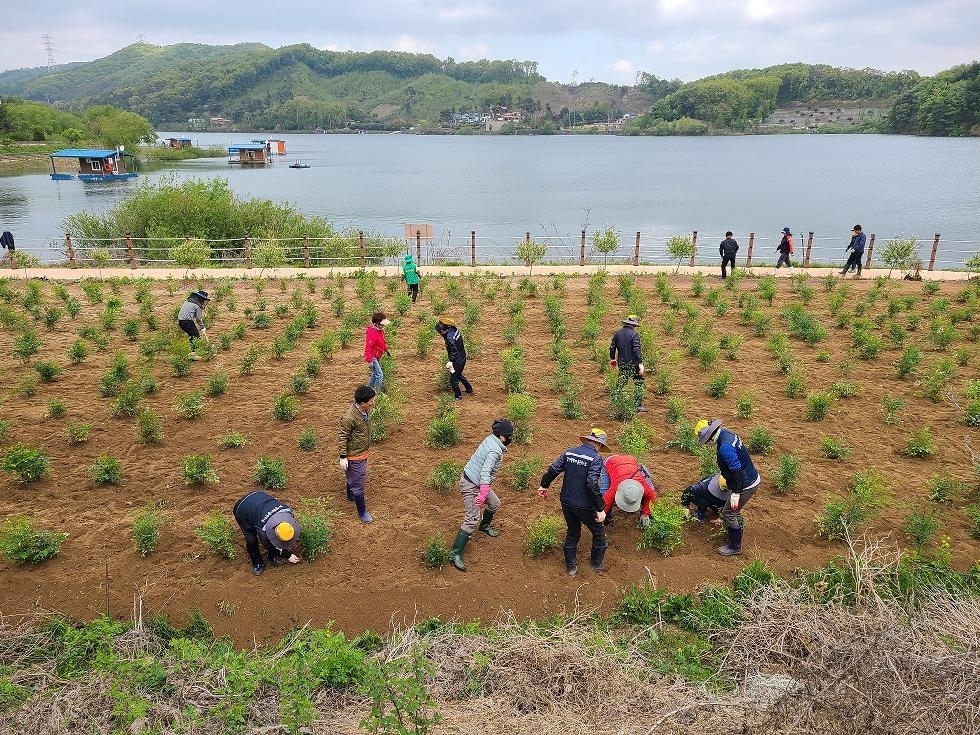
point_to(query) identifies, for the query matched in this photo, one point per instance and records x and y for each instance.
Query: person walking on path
(626, 354)
(375, 346)
(740, 476)
(785, 249)
(354, 440)
(7, 243)
(627, 484)
(476, 484)
(581, 501)
(456, 352)
(856, 246)
(411, 275)
(728, 249)
(264, 519)
(190, 318)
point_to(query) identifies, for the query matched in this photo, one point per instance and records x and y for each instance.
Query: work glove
(481, 498)
(344, 463)
(293, 559)
(734, 501)
(600, 516)
(204, 334)
(640, 369)
(542, 492)
(613, 363)
(449, 367)
(645, 521)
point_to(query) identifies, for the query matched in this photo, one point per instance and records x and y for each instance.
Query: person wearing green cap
(411, 276)
(264, 519)
(626, 353)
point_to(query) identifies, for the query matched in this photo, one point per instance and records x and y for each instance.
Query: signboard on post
(415, 234)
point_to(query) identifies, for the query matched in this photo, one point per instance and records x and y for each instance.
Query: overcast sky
(604, 40)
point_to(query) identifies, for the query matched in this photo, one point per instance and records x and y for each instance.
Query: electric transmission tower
(48, 41)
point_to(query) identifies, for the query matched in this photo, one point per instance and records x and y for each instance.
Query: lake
(504, 186)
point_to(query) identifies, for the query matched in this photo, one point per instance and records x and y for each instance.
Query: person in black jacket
(785, 249)
(626, 354)
(727, 249)
(7, 243)
(581, 499)
(456, 351)
(263, 518)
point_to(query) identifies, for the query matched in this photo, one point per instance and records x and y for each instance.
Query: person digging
(628, 485)
(741, 479)
(190, 318)
(476, 486)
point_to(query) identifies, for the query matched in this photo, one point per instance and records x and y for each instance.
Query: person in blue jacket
(581, 500)
(856, 246)
(740, 476)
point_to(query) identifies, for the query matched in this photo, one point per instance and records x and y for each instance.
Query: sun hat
(282, 530)
(717, 486)
(706, 429)
(202, 294)
(598, 436)
(787, 230)
(629, 496)
(631, 321)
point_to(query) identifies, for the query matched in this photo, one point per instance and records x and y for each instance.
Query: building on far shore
(179, 142)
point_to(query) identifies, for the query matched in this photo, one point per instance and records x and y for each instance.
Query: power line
(48, 42)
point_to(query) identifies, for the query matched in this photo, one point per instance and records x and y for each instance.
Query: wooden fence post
(935, 249)
(871, 249)
(581, 256)
(247, 245)
(306, 251)
(748, 258)
(129, 250)
(636, 250)
(694, 242)
(473, 248)
(360, 241)
(72, 263)
(809, 247)
(418, 246)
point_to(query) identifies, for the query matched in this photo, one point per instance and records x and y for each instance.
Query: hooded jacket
(410, 270)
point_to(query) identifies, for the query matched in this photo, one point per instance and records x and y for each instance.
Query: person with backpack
(456, 352)
(728, 249)
(785, 249)
(856, 246)
(411, 276)
(476, 485)
(626, 483)
(264, 519)
(740, 475)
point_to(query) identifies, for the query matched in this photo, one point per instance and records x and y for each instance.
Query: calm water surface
(504, 186)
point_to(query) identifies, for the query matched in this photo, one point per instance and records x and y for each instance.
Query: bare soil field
(374, 573)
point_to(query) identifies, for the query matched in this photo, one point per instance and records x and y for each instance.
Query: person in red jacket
(628, 484)
(375, 347)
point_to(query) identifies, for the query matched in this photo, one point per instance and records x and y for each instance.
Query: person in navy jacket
(740, 475)
(581, 500)
(264, 519)
(856, 246)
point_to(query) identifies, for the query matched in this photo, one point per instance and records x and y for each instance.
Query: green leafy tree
(116, 127)
(898, 253)
(605, 241)
(530, 252)
(680, 247)
(191, 254)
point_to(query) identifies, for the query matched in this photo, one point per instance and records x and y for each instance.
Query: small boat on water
(299, 164)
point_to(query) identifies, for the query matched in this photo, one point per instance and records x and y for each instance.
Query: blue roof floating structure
(94, 164)
(249, 154)
(246, 147)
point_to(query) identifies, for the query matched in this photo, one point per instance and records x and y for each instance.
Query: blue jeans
(377, 377)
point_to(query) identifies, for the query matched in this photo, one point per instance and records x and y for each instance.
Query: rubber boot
(598, 554)
(570, 565)
(461, 538)
(485, 524)
(734, 545)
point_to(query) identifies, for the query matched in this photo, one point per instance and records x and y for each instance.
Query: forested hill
(300, 87)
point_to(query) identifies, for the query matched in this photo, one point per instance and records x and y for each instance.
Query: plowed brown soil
(375, 573)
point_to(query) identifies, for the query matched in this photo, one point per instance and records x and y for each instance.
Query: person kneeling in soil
(741, 477)
(190, 318)
(710, 492)
(475, 484)
(263, 518)
(581, 501)
(627, 484)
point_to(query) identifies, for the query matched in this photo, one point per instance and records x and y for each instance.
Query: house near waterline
(248, 154)
(273, 146)
(92, 165)
(179, 142)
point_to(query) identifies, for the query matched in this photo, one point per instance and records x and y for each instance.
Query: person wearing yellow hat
(264, 519)
(581, 500)
(741, 478)
(709, 492)
(626, 354)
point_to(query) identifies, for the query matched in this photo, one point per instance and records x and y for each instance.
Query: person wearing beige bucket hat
(626, 354)
(740, 475)
(581, 501)
(628, 485)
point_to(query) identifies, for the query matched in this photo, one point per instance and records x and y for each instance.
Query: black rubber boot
(598, 554)
(485, 524)
(734, 545)
(461, 538)
(570, 564)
